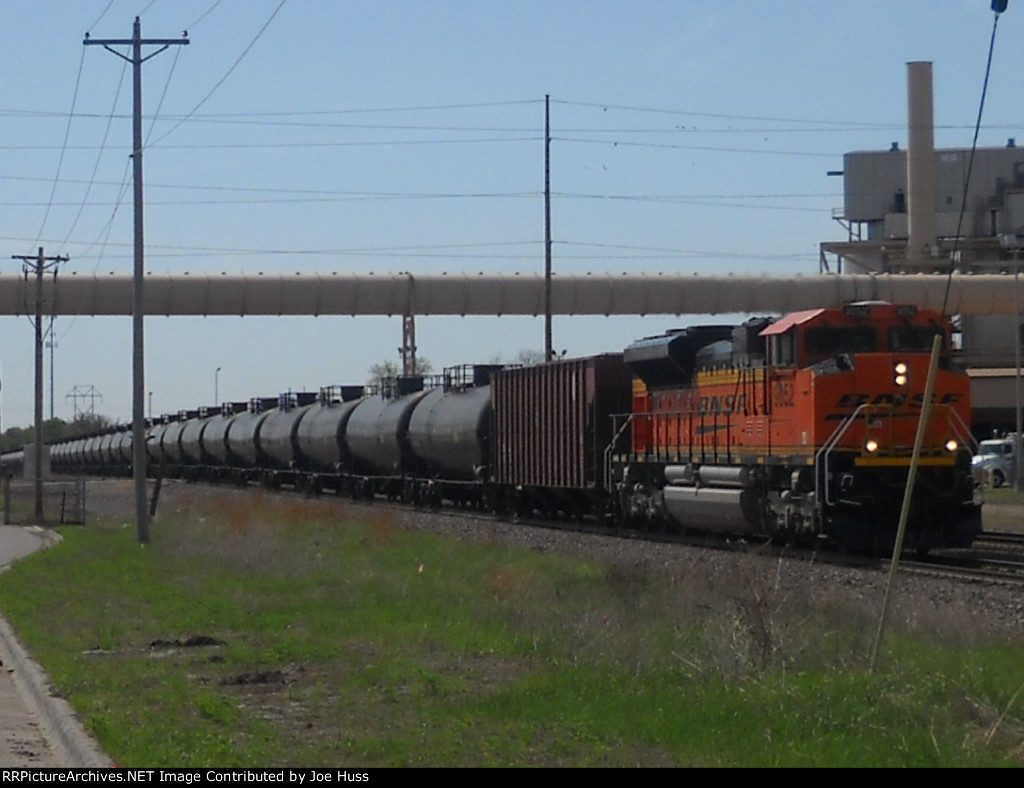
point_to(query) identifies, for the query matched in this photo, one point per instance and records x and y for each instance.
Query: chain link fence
(63, 502)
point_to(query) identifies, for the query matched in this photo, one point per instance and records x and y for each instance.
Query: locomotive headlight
(952, 446)
(901, 370)
(871, 446)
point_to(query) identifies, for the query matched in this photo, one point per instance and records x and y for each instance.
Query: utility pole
(39, 265)
(51, 344)
(549, 351)
(138, 306)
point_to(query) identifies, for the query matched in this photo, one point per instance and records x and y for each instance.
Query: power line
(272, 145)
(99, 157)
(970, 161)
(102, 14)
(203, 16)
(223, 79)
(63, 150)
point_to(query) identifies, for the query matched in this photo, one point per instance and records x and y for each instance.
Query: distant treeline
(53, 430)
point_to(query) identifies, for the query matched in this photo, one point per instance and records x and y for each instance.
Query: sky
(688, 137)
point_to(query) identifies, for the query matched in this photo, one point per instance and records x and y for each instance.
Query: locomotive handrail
(611, 445)
(695, 414)
(822, 455)
(821, 458)
(963, 432)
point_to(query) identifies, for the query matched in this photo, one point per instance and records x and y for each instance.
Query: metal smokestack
(920, 164)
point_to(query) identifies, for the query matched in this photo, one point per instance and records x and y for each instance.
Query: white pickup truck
(993, 464)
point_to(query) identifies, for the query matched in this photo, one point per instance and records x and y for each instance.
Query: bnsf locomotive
(800, 428)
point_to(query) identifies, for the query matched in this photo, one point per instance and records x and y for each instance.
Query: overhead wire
(99, 157)
(716, 115)
(970, 162)
(227, 74)
(203, 15)
(63, 150)
(102, 14)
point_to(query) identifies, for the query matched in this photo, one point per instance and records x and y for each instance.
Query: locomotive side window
(783, 349)
(914, 339)
(827, 341)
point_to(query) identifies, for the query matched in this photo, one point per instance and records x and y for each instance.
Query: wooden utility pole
(908, 495)
(38, 265)
(138, 305)
(549, 351)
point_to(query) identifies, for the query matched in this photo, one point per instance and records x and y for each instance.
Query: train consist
(800, 428)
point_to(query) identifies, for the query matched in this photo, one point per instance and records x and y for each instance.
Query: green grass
(361, 643)
(1004, 495)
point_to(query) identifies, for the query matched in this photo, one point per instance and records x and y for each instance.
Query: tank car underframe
(851, 507)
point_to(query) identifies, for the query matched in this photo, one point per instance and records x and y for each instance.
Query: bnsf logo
(895, 400)
(727, 404)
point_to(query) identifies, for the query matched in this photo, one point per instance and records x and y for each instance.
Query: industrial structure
(492, 294)
(943, 212)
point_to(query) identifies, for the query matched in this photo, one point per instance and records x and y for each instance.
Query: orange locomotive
(800, 428)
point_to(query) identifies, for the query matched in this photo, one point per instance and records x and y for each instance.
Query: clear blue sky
(690, 136)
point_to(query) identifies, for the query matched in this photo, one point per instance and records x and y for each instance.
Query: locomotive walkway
(36, 728)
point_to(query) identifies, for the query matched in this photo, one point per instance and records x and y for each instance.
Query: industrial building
(942, 211)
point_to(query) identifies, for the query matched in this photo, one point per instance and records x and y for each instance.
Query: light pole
(216, 386)
(1010, 241)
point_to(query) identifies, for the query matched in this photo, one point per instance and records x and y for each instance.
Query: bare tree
(529, 358)
(386, 370)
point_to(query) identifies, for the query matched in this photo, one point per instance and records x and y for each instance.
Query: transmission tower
(83, 393)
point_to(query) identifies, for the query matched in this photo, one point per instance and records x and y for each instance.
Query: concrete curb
(62, 729)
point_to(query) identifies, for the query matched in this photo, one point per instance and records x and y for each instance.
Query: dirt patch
(256, 677)
(196, 641)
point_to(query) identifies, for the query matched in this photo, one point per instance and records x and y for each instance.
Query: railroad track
(997, 557)
(965, 565)
(1002, 538)
(973, 565)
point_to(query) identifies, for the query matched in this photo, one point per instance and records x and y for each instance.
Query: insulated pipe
(387, 294)
(920, 164)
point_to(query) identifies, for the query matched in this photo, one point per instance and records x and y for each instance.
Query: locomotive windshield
(827, 341)
(914, 339)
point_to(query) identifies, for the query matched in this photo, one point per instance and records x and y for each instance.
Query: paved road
(36, 729)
